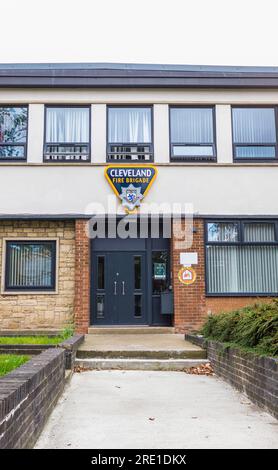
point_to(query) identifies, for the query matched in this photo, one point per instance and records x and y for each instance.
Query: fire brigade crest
(131, 197)
(130, 183)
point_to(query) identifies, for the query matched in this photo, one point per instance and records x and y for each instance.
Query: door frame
(145, 245)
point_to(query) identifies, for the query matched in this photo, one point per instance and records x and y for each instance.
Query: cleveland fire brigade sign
(130, 183)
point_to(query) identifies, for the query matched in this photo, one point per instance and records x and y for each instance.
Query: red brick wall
(221, 304)
(189, 301)
(191, 306)
(82, 277)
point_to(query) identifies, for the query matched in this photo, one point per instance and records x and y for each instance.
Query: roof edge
(96, 75)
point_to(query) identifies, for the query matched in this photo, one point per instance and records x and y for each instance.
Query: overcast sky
(229, 32)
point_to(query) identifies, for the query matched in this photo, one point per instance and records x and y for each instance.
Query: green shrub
(67, 332)
(255, 326)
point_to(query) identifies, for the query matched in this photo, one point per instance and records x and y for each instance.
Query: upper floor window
(192, 133)
(130, 133)
(13, 132)
(254, 133)
(67, 134)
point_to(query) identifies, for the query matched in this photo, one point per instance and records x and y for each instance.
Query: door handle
(115, 287)
(123, 285)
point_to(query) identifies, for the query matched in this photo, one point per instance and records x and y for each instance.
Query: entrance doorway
(128, 279)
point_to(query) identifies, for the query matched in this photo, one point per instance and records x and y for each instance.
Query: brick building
(207, 137)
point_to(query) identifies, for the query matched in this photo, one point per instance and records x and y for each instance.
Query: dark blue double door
(120, 288)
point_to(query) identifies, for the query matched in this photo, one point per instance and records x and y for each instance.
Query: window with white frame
(30, 265)
(241, 258)
(67, 133)
(254, 133)
(129, 133)
(192, 133)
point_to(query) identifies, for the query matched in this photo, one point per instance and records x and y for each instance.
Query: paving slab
(139, 345)
(143, 409)
(132, 342)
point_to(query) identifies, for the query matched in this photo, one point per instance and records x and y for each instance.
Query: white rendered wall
(222, 188)
(35, 133)
(161, 133)
(224, 143)
(213, 190)
(98, 133)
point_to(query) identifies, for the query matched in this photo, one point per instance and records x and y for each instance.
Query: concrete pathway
(142, 409)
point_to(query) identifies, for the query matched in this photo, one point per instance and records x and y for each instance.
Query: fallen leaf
(80, 369)
(202, 369)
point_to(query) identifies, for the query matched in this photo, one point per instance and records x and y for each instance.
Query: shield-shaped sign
(130, 182)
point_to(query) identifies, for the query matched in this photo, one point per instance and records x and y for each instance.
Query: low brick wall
(29, 349)
(27, 396)
(255, 376)
(70, 346)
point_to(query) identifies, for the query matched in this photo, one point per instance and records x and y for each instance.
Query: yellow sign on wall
(187, 275)
(130, 182)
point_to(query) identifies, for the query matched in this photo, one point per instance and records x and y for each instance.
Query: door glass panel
(137, 305)
(100, 306)
(159, 271)
(137, 272)
(100, 272)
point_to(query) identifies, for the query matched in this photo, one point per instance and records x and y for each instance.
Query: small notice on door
(187, 275)
(159, 271)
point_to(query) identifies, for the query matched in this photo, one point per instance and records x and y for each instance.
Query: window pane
(222, 232)
(254, 125)
(257, 232)
(191, 125)
(191, 151)
(30, 265)
(137, 305)
(11, 151)
(100, 305)
(127, 125)
(159, 271)
(13, 125)
(137, 272)
(242, 269)
(100, 272)
(254, 152)
(67, 125)
(69, 149)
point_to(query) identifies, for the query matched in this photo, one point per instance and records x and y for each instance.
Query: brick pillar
(82, 278)
(189, 301)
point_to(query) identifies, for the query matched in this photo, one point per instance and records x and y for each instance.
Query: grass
(66, 333)
(9, 362)
(253, 328)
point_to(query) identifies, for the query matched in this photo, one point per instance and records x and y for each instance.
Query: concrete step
(138, 364)
(128, 330)
(141, 354)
